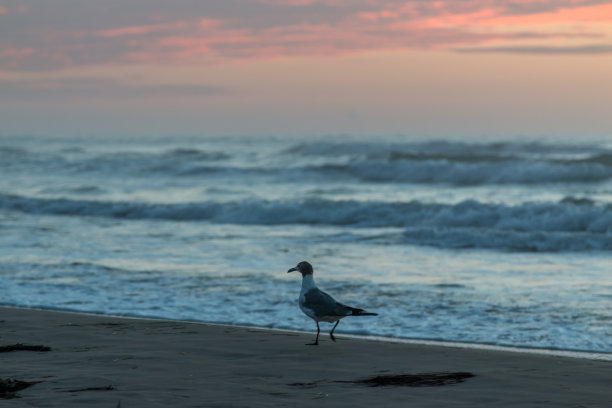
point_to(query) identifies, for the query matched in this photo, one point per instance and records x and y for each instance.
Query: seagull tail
(361, 312)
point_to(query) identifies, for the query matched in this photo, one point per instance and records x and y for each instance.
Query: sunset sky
(306, 67)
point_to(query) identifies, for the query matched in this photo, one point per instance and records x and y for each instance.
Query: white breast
(307, 284)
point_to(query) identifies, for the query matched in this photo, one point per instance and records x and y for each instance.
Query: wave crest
(564, 225)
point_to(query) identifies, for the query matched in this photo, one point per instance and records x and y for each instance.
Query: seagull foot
(313, 344)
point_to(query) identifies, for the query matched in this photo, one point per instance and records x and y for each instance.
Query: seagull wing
(323, 304)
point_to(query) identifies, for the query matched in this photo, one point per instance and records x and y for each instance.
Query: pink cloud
(12, 57)
(20, 8)
(129, 31)
(13, 52)
(586, 14)
(375, 16)
(302, 3)
(273, 28)
(209, 23)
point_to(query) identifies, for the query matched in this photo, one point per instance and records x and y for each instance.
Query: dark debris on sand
(415, 380)
(23, 347)
(10, 386)
(103, 388)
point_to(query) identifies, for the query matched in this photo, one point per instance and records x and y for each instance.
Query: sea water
(504, 242)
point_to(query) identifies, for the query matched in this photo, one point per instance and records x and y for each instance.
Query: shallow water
(503, 243)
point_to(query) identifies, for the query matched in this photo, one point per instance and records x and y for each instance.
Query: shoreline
(579, 354)
(101, 361)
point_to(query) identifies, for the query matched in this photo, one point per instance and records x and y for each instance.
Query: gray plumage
(320, 306)
(324, 305)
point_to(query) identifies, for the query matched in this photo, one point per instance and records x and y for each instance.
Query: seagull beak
(293, 269)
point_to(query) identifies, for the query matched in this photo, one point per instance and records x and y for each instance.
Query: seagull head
(303, 267)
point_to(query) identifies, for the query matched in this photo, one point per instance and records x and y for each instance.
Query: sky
(306, 67)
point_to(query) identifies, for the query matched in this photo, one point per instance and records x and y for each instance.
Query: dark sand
(99, 361)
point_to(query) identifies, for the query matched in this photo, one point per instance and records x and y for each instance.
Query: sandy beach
(101, 361)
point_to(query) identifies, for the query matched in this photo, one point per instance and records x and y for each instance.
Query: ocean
(493, 242)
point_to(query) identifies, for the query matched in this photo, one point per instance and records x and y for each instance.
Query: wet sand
(101, 361)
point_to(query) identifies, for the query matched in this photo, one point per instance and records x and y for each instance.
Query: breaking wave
(462, 163)
(419, 163)
(460, 173)
(569, 224)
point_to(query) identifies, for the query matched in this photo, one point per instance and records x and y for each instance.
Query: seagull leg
(316, 342)
(331, 333)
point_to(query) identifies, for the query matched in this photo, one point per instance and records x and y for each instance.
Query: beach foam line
(586, 355)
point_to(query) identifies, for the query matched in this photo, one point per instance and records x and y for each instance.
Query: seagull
(320, 306)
